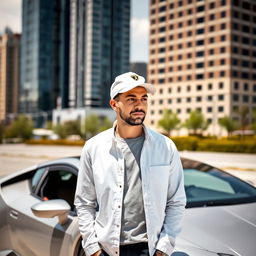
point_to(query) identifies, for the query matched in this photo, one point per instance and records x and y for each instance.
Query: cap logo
(135, 77)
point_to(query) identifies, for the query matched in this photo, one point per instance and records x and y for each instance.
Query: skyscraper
(99, 49)
(44, 56)
(202, 57)
(9, 74)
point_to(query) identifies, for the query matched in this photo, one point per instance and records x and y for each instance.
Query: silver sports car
(38, 218)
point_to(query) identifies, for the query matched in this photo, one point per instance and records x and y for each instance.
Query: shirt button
(119, 206)
(116, 252)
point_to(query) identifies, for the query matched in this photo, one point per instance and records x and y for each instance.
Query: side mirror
(52, 208)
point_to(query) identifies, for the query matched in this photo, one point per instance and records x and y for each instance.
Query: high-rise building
(44, 56)
(9, 74)
(202, 57)
(99, 49)
(139, 68)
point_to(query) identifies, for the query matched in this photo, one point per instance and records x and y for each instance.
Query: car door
(35, 236)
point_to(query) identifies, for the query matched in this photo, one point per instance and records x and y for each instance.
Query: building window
(200, 20)
(199, 87)
(235, 97)
(246, 87)
(211, 51)
(245, 98)
(222, 49)
(162, 19)
(211, 28)
(209, 86)
(161, 39)
(200, 42)
(178, 89)
(188, 110)
(209, 97)
(222, 62)
(223, 14)
(162, 9)
(198, 99)
(199, 65)
(200, 53)
(212, 17)
(210, 63)
(200, 8)
(209, 109)
(178, 100)
(236, 86)
(169, 101)
(200, 31)
(200, 76)
(160, 102)
(212, 5)
(188, 99)
(211, 75)
(223, 38)
(161, 91)
(211, 40)
(222, 73)
(220, 109)
(221, 97)
(221, 85)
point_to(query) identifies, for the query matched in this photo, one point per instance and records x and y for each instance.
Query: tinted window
(208, 186)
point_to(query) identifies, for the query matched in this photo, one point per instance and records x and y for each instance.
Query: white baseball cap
(127, 81)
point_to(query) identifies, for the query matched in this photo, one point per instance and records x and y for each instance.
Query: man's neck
(126, 131)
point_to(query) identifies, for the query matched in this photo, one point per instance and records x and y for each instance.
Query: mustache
(138, 111)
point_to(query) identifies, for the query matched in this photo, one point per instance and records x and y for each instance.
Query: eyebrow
(133, 95)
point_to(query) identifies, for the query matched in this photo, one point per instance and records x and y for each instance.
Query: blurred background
(58, 59)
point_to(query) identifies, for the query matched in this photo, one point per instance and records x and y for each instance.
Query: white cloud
(10, 15)
(139, 39)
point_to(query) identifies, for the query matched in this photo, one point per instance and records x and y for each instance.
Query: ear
(113, 104)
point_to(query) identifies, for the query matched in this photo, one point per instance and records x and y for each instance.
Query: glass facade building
(99, 49)
(44, 56)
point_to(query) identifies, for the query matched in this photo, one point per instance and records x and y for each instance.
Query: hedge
(215, 145)
(183, 143)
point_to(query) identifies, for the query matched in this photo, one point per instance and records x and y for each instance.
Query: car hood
(221, 229)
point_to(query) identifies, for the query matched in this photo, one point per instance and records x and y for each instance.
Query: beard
(133, 120)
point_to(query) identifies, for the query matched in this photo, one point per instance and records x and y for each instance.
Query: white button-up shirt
(101, 181)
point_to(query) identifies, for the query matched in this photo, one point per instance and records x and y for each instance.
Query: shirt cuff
(91, 249)
(165, 246)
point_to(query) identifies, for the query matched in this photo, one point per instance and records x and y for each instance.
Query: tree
(22, 128)
(169, 121)
(254, 120)
(244, 118)
(196, 122)
(228, 123)
(95, 124)
(68, 128)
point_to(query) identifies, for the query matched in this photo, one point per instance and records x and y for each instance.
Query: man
(134, 177)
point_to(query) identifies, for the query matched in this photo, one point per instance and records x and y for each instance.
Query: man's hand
(159, 253)
(98, 253)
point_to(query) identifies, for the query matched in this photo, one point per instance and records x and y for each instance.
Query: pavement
(15, 157)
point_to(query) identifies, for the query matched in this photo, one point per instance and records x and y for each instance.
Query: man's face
(131, 106)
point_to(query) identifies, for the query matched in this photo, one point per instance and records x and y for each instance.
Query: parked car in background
(38, 217)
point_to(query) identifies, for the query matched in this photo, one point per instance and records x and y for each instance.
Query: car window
(207, 181)
(36, 178)
(58, 184)
(208, 186)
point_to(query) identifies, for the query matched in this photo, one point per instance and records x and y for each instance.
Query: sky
(10, 15)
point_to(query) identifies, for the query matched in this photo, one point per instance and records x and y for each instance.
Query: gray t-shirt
(133, 228)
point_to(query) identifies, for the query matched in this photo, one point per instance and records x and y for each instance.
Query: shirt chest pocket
(159, 175)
